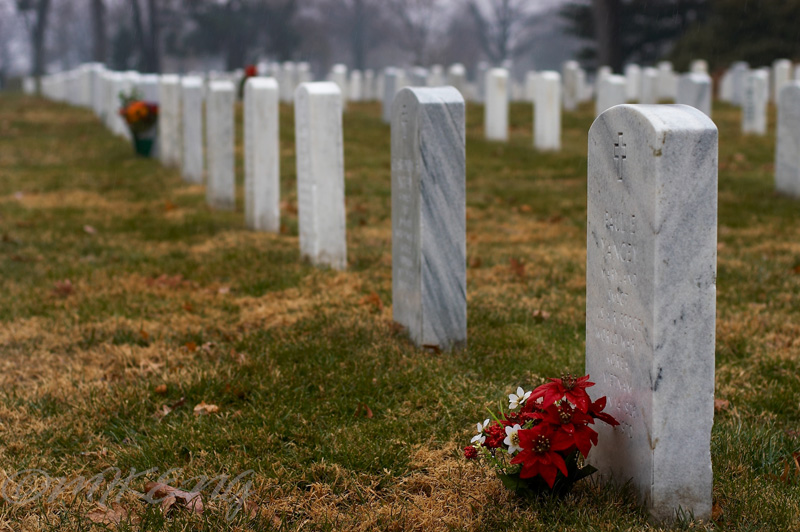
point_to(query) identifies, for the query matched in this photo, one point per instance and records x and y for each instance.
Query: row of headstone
(651, 239)
(190, 106)
(651, 275)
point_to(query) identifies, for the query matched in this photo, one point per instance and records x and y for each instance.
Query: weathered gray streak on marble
(429, 274)
(262, 155)
(694, 89)
(221, 186)
(651, 299)
(192, 88)
(320, 174)
(787, 151)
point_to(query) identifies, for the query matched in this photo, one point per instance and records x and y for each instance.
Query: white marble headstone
(429, 243)
(496, 107)
(192, 99)
(572, 85)
(787, 152)
(221, 185)
(649, 92)
(781, 75)
(262, 186)
(754, 104)
(651, 301)
(612, 90)
(633, 79)
(320, 174)
(547, 112)
(694, 89)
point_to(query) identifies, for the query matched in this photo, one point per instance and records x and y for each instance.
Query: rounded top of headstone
(319, 87)
(443, 95)
(659, 119)
(549, 75)
(170, 79)
(262, 82)
(192, 82)
(221, 85)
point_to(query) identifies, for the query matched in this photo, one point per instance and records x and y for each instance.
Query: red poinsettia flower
(563, 417)
(470, 453)
(596, 411)
(250, 71)
(568, 386)
(539, 455)
(495, 434)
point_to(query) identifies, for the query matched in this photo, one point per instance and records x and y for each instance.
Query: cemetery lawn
(125, 302)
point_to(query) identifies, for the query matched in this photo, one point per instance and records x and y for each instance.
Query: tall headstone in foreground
(496, 104)
(192, 168)
(429, 244)
(787, 152)
(261, 155)
(611, 91)
(651, 299)
(754, 104)
(781, 75)
(221, 185)
(694, 89)
(320, 174)
(547, 111)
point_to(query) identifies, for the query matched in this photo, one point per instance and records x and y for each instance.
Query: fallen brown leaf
(475, 263)
(191, 347)
(167, 409)
(721, 405)
(63, 288)
(188, 307)
(108, 516)
(144, 334)
(517, 266)
(203, 408)
(716, 512)
(169, 206)
(373, 299)
(173, 497)
(367, 410)
(161, 389)
(540, 315)
(525, 208)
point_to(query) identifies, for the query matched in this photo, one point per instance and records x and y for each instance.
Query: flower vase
(144, 142)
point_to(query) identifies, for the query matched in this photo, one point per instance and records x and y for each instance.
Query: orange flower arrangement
(139, 114)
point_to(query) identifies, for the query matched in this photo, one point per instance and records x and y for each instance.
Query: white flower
(480, 437)
(516, 400)
(512, 439)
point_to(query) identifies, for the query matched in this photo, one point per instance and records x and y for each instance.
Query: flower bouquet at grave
(142, 120)
(250, 71)
(540, 444)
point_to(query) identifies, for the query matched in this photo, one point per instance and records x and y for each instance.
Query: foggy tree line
(142, 34)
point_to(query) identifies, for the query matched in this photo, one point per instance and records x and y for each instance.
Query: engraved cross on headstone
(620, 155)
